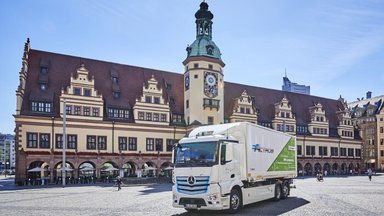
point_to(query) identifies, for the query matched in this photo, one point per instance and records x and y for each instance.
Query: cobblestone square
(348, 195)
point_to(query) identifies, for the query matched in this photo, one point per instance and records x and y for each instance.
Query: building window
(115, 80)
(323, 151)
(102, 142)
(343, 152)
(77, 91)
(32, 140)
(187, 104)
(41, 107)
(148, 116)
(196, 65)
(132, 144)
(148, 99)
(44, 140)
(334, 151)
(116, 94)
(118, 113)
(95, 112)
(210, 120)
(310, 150)
(150, 144)
(299, 150)
(350, 152)
(156, 100)
(163, 117)
(242, 110)
(141, 115)
(123, 143)
(248, 111)
(43, 86)
(156, 117)
(59, 141)
(381, 129)
(68, 109)
(87, 111)
(72, 141)
(210, 67)
(196, 76)
(43, 70)
(91, 142)
(211, 103)
(358, 152)
(169, 145)
(77, 110)
(159, 144)
(87, 92)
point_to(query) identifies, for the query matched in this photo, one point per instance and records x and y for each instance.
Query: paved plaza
(351, 195)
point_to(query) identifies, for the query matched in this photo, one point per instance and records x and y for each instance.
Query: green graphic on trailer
(286, 160)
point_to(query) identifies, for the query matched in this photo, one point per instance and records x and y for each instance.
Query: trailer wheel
(277, 191)
(285, 190)
(234, 201)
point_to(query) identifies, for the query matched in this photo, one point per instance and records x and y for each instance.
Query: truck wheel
(277, 191)
(234, 201)
(285, 190)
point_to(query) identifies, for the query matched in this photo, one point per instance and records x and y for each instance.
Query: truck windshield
(197, 154)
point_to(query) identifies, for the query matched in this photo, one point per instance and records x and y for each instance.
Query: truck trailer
(227, 166)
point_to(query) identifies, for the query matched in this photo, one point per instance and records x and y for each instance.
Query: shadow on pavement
(267, 207)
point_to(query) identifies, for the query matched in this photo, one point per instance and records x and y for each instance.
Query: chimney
(369, 94)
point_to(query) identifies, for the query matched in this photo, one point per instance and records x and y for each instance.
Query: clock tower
(203, 77)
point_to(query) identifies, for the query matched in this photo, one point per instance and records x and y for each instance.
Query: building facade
(125, 119)
(294, 87)
(368, 117)
(7, 153)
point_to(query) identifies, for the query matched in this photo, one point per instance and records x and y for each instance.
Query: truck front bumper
(211, 200)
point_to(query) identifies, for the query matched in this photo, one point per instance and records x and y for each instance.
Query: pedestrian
(370, 174)
(118, 182)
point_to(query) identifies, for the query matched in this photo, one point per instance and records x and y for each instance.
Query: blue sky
(336, 47)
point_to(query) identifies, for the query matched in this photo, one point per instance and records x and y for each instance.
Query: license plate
(192, 206)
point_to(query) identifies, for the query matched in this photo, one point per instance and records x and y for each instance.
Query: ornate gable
(319, 125)
(243, 109)
(151, 107)
(345, 128)
(82, 99)
(284, 120)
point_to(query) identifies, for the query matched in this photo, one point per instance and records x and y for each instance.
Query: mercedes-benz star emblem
(191, 180)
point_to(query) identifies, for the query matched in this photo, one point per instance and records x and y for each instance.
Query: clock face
(210, 84)
(186, 82)
(210, 79)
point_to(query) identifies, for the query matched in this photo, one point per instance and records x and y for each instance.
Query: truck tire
(285, 190)
(234, 201)
(278, 192)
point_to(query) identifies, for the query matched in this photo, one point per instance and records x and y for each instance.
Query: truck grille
(192, 184)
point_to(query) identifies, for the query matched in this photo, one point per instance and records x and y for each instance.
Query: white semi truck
(230, 165)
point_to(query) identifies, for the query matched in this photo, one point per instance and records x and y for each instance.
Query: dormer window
(116, 94)
(43, 70)
(115, 80)
(43, 86)
(156, 100)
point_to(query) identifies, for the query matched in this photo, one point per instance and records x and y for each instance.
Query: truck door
(227, 170)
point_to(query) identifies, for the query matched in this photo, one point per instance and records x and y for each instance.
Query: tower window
(196, 65)
(210, 120)
(196, 76)
(210, 67)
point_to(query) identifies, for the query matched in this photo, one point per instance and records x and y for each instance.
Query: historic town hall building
(124, 119)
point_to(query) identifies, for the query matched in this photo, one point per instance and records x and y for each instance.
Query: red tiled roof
(132, 78)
